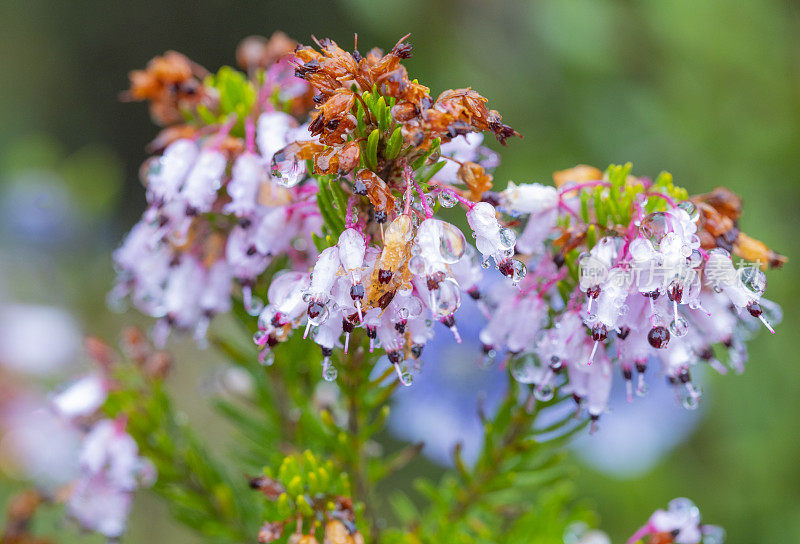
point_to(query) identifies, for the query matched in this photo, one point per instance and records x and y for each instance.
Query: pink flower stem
(563, 206)
(663, 196)
(250, 136)
(584, 185)
(643, 531)
(466, 202)
(558, 277)
(223, 132)
(425, 207)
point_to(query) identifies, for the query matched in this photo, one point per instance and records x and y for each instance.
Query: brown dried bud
(754, 250)
(475, 177)
(404, 112)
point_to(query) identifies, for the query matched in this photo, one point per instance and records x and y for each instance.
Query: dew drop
(266, 358)
(754, 280)
(417, 265)
(508, 238)
(689, 207)
(713, 534)
(654, 227)
(285, 168)
(329, 371)
(525, 369)
(452, 243)
(447, 200)
(519, 271)
(544, 392)
(446, 299)
(254, 306)
(679, 327)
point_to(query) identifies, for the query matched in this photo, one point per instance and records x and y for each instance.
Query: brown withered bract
(475, 178)
(757, 251)
(170, 83)
(368, 183)
(718, 227)
(333, 72)
(259, 52)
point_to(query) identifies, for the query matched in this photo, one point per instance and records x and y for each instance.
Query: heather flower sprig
(626, 272)
(678, 524)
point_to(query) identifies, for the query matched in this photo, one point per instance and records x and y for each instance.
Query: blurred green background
(709, 90)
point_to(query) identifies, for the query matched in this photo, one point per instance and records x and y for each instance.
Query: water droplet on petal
(417, 265)
(689, 207)
(508, 238)
(754, 280)
(525, 369)
(406, 378)
(544, 392)
(446, 299)
(452, 243)
(285, 168)
(654, 227)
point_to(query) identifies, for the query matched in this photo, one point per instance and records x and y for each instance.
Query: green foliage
(517, 487)
(332, 203)
(200, 492)
(236, 98)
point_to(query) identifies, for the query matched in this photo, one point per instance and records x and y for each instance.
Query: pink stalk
(643, 531)
(250, 136)
(425, 207)
(558, 277)
(584, 185)
(120, 423)
(466, 202)
(223, 132)
(663, 196)
(563, 206)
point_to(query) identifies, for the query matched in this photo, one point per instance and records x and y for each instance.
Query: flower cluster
(626, 272)
(217, 214)
(110, 467)
(678, 524)
(353, 191)
(331, 212)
